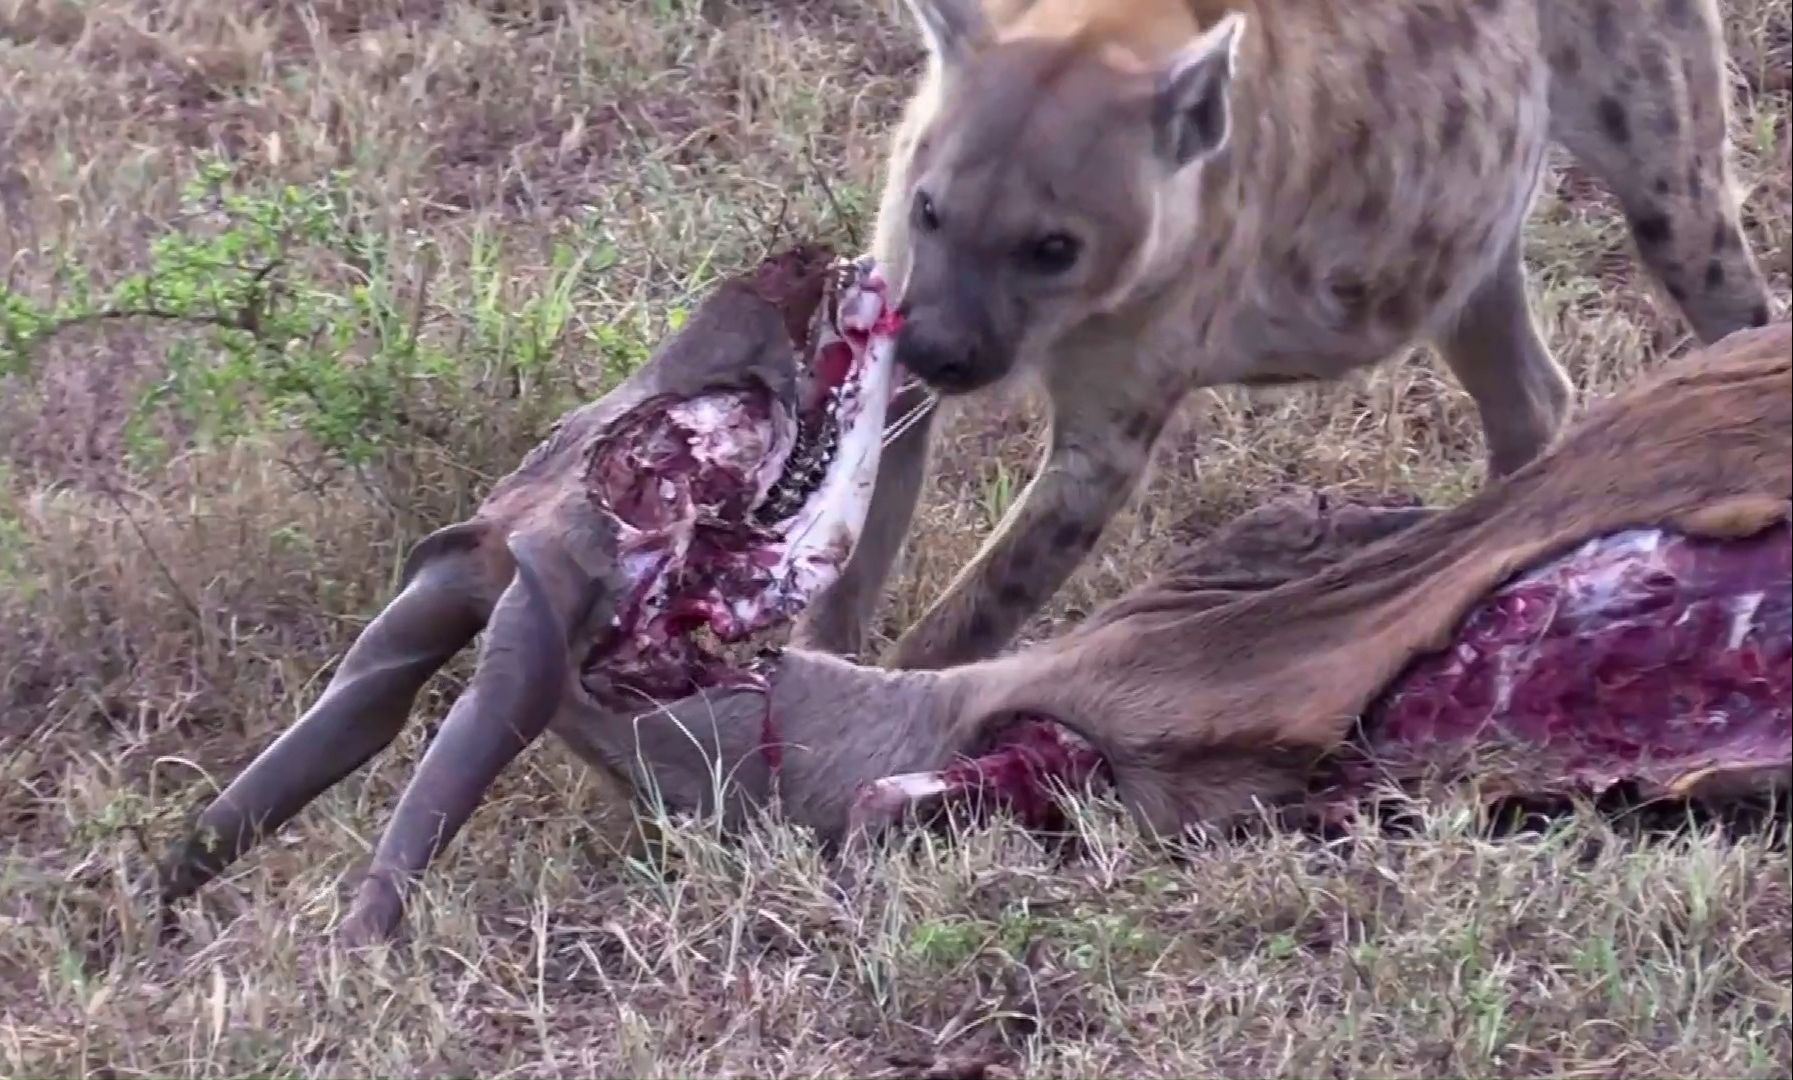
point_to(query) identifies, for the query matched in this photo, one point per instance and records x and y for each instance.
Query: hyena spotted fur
(1130, 199)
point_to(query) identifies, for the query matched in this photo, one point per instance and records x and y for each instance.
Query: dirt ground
(507, 202)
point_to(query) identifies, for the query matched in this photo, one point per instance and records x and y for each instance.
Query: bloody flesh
(1643, 657)
(679, 477)
(733, 506)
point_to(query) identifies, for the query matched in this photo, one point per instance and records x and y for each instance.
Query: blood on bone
(679, 476)
(832, 364)
(868, 315)
(1645, 656)
(1022, 773)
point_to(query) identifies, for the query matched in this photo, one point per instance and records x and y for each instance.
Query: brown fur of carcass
(1204, 701)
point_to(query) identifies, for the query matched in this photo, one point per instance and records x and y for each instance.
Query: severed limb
(359, 714)
(516, 689)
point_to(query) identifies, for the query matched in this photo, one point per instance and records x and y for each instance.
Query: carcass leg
(515, 690)
(359, 714)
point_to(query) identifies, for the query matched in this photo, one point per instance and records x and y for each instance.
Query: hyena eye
(923, 212)
(1053, 253)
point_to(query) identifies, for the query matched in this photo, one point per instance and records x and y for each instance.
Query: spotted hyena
(1130, 199)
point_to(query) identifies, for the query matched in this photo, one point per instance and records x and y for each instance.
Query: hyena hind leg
(1642, 101)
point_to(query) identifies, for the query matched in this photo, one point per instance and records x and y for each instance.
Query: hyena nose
(945, 365)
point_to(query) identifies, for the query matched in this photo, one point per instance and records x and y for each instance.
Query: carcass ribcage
(1645, 656)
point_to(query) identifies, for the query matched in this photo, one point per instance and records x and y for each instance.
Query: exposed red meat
(658, 467)
(1034, 760)
(726, 520)
(1644, 657)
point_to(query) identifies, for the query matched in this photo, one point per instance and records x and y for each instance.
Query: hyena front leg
(1097, 451)
(1494, 348)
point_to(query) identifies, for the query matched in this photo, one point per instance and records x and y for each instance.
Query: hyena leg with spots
(1097, 450)
(1639, 94)
(1495, 351)
(838, 620)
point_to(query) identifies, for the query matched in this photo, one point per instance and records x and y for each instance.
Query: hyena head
(1040, 176)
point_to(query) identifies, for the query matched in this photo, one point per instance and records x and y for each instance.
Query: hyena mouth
(738, 507)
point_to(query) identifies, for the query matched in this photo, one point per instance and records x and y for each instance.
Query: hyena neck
(1197, 259)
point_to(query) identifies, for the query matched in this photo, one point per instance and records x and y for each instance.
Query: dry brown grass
(157, 625)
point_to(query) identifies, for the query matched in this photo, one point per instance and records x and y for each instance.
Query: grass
(386, 242)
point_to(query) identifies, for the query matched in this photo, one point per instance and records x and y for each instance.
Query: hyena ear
(953, 28)
(1190, 114)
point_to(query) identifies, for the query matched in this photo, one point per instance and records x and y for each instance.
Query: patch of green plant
(1108, 939)
(15, 579)
(290, 313)
(125, 814)
(949, 942)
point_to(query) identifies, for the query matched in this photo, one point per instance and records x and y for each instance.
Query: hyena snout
(948, 355)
